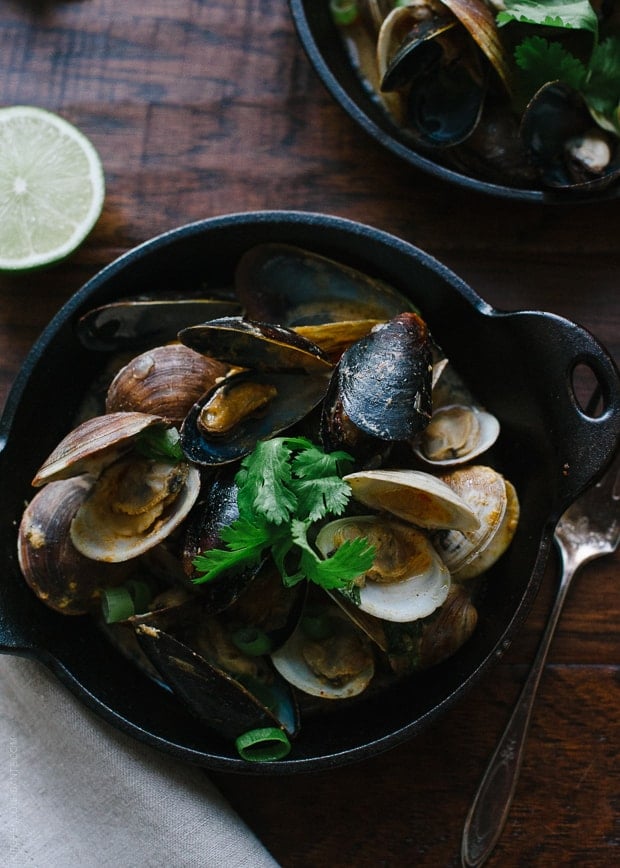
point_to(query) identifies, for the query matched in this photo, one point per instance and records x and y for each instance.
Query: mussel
(380, 391)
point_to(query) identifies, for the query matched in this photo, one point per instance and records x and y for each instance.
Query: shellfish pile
(145, 481)
(480, 89)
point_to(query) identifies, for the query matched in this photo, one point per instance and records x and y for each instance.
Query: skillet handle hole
(588, 390)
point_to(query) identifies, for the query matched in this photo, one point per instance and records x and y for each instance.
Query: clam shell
(94, 445)
(63, 578)
(100, 533)
(419, 581)
(165, 381)
(413, 495)
(458, 434)
(485, 491)
(290, 660)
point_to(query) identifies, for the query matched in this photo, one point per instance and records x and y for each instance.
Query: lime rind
(52, 188)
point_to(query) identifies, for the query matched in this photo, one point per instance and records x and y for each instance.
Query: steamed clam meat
(326, 656)
(408, 579)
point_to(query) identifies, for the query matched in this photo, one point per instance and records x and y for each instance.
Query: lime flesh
(51, 188)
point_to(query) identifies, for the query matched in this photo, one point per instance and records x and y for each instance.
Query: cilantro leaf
(319, 497)
(313, 463)
(602, 89)
(353, 558)
(569, 14)
(542, 61)
(245, 544)
(283, 487)
(265, 482)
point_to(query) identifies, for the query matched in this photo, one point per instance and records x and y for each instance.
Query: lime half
(51, 188)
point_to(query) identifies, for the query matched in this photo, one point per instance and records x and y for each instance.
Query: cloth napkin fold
(76, 793)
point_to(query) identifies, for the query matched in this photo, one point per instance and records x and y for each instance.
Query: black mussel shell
(295, 395)
(262, 346)
(286, 284)
(382, 385)
(216, 509)
(126, 325)
(215, 697)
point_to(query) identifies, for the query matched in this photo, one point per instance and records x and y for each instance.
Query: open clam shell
(62, 577)
(455, 434)
(408, 579)
(94, 445)
(487, 492)
(132, 507)
(326, 656)
(413, 495)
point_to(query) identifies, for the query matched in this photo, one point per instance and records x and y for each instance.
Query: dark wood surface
(203, 108)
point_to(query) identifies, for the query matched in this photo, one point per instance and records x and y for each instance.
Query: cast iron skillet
(520, 365)
(323, 45)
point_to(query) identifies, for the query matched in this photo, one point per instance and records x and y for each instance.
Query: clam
(413, 495)
(62, 577)
(467, 554)
(425, 643)
(281, 283)
(457, 433)
(408, 579)
(164, 381)
(134, 502)
(94, 444)
(327, 655)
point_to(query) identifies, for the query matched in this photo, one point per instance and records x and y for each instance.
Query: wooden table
(202, 108)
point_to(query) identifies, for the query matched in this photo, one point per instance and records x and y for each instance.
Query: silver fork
(590, 528)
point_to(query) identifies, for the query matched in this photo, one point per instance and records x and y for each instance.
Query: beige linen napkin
(75, 793)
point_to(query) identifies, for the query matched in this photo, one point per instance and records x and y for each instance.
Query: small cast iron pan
(519, 364)
(324, 47)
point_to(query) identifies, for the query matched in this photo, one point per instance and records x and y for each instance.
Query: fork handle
(491, 805)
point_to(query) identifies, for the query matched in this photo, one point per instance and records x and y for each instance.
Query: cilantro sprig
(596, 77)
(284, 487)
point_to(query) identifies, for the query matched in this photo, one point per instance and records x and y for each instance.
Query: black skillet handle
(576, 367)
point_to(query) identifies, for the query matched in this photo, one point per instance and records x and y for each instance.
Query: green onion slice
(252, 641)
(263, 745)
(140, 594)
(116, 604)
(343, 11)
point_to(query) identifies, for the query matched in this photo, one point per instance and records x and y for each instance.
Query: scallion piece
(263, 745)
(252, 641)
(116, 604)
(140, 594)
(343, 11)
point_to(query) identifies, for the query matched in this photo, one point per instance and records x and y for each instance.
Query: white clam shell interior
(424, 587)
(415, 496)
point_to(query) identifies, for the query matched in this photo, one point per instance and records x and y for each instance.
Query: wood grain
(203, 108)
